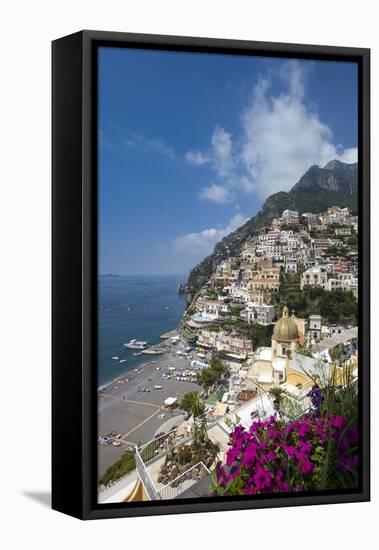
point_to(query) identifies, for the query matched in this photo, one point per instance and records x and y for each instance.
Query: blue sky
(190, 145)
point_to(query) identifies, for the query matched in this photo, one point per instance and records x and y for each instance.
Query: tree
(352, 241)
(209, 376)
(191, 403)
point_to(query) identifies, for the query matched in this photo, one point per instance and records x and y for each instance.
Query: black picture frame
(74, 270)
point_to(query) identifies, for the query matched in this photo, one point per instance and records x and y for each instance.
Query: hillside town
(312, 251)
(270, 325)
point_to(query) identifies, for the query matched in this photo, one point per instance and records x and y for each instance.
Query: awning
(170, 401)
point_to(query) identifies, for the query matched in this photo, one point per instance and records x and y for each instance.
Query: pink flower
(271, 456)
(304, 429)
(306, 466)
(290, 449)
(231, 456)
(249, 455)
(338, 422)
(262, 479)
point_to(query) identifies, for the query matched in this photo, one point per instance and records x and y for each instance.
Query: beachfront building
(223, 341)
(213, 309)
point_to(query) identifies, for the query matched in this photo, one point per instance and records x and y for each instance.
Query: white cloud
(197, 158)
(280, 139)
(153, 144)
(202, 243)
(216, 193)
(220, 154)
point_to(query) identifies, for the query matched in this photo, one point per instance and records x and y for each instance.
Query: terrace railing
(183, 482)
(155, 450)
(143, 474)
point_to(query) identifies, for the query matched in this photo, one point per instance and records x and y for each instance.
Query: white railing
(153, 451)
(143, 474)
(183, 482)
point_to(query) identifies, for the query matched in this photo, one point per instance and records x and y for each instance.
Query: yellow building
(285, 338)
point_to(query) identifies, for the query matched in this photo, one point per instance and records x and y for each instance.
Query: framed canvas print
(210, 275)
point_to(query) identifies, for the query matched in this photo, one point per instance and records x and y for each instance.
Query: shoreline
(148, 357)
(137, 415)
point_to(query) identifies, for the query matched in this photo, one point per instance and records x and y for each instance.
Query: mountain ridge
(336, 184)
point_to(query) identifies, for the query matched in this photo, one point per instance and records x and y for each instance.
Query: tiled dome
(285, 329)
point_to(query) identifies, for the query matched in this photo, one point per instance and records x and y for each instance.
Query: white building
(315, 327)
(256, 312)
(290, 266)
(315, 277)
(290, 217)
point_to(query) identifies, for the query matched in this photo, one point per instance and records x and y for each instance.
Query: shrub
(313, 453)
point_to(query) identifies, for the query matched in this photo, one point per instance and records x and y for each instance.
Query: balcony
(149, 461)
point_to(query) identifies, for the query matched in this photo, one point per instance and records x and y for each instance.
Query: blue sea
(140, 307)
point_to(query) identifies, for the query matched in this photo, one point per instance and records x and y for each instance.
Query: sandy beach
(134, 414)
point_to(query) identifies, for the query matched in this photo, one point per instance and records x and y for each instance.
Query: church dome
(286, 328)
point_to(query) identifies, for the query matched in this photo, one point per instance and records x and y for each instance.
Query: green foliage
(213, 374)
(352, 241)
(336, 307)
(276, 395)
(191, 403)
(119, 469)
(235, 311)
(259, 335)
(339, 307)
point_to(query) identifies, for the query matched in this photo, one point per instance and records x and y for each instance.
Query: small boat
(136, 344)
(152, 352)
(115, 357)
(122, 360)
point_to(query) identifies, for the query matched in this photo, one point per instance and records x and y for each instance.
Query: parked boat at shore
(136, 344)
(152, 351)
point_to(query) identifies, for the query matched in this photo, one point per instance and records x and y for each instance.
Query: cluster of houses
(317, 247)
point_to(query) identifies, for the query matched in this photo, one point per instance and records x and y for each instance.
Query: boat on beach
(152, 351)
(136, 344)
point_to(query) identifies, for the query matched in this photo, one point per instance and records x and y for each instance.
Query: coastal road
(110, 396)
